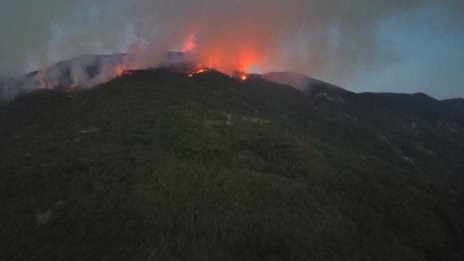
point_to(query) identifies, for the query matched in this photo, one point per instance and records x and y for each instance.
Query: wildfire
(194, 58)
(122, 71)
(197, 71)
(240, 75)
(221, 54)
(119, 71)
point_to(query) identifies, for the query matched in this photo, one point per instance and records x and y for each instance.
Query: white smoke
(327, 39)
(82, 72)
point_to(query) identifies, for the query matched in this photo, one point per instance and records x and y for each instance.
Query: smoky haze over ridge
(331, 39)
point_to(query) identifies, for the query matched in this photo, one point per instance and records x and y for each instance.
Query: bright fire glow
(226, 63)
(197, 71)
(240, 75)
(119, 71)
(224, 53)
(122, 71)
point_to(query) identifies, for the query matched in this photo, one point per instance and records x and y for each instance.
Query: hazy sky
(361, 45)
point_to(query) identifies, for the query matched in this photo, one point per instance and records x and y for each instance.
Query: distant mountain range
(91, 70)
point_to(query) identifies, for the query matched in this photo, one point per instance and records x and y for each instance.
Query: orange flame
(223, 53)
(119, 71)
(197, 71)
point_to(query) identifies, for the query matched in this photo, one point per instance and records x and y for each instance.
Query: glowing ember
(240, 75)
(197, 71)
(119, 71)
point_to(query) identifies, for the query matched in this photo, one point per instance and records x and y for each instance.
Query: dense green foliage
(159, 166)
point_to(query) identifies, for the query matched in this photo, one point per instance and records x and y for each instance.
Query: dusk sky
(377, 46)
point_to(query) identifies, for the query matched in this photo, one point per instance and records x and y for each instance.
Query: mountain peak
(297, 80)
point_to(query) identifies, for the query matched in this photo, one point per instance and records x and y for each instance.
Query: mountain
(299, 81)
(455, 104)
(84, 72)
(156, 165)
(309, 86)
(81, 72)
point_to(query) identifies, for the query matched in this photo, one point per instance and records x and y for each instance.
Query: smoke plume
(328, 39)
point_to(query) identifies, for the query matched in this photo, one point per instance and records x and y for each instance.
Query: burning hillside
(89, 71)
(79, 73)
(192, 60)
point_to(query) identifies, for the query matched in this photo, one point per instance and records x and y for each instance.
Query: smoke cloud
(328, 39)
